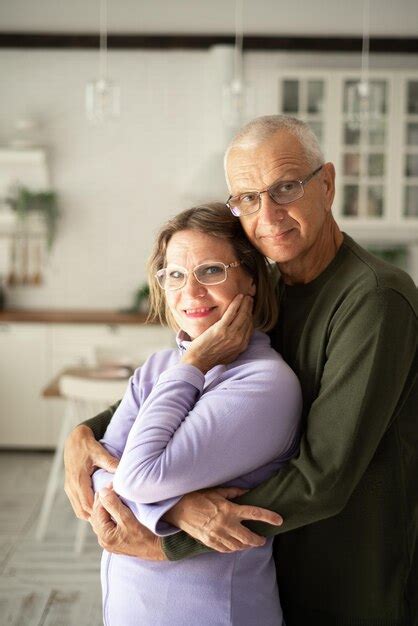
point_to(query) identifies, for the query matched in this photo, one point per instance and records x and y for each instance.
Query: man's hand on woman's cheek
(119, 531)
(212, 519)
(224, 340)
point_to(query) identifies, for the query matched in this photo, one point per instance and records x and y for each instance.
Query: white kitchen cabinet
(32, 354)
(377, 165)
(24, 371)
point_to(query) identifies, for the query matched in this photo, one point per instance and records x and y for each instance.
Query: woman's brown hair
(216, 220)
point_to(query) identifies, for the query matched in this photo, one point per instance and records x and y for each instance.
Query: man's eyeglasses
(175, 277)
(281, 191)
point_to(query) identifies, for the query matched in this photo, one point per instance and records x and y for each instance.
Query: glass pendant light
(102, 95)
(364, 99)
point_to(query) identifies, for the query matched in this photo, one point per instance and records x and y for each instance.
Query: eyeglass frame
(193, 271)
(302, 183)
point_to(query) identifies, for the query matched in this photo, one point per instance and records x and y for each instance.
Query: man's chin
(280, 253)
(280, 248)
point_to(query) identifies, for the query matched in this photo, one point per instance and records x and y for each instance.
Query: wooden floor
(42, 584)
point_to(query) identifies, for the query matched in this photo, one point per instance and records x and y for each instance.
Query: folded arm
(185, 440)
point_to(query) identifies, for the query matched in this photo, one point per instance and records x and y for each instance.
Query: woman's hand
(212, 519)
(82, 455)
(119, 531)
(224, 340)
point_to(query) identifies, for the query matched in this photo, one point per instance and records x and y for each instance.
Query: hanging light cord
(365, 51)
(103, 40)
(239, 34)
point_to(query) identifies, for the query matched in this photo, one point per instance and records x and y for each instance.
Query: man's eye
(248, 198)
(286, 187)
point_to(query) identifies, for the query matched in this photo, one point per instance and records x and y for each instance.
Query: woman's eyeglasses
(175, 277)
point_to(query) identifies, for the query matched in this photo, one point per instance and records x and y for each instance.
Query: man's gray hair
(263, 128)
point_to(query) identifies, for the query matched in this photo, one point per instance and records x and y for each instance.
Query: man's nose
(270, 211)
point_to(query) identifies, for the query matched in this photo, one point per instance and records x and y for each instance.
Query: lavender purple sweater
(175, 431)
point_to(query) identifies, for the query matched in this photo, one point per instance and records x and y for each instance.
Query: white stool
(85, 397)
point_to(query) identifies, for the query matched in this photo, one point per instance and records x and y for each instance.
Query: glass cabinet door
(304, 98)
(410, 157)
(364, 148)
(370, 132)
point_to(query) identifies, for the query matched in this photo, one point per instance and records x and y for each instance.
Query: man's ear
(329, 184)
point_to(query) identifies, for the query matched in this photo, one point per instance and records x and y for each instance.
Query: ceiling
(267, 17)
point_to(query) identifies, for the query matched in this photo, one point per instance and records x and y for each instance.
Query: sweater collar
(183, 341)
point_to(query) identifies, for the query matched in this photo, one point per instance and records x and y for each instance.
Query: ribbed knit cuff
(181, 546)
(99, 423)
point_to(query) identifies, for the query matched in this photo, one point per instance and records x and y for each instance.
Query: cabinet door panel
(23, 374)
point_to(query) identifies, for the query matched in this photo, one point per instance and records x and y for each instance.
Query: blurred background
(114, 115)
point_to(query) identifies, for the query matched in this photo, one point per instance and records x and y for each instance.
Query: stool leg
(54, 475)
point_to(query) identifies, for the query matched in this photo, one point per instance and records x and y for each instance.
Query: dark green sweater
(346, 553)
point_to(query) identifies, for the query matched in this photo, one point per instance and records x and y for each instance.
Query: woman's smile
(199, 311)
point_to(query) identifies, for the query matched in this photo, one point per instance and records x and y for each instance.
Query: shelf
(69, 316)
(35, 156)
(26, 167)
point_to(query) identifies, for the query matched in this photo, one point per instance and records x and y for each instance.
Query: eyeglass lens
(176, 277)
(282, 192)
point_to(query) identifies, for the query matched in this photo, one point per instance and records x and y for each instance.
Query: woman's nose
(193, 287)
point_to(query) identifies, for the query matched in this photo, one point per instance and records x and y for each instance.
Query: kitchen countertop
(71, 316)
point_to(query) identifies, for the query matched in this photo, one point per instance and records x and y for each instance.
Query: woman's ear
(253, 289)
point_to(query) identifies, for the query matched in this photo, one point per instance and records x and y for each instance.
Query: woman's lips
(196, 312)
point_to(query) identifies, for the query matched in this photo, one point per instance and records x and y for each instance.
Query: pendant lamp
(102, 94)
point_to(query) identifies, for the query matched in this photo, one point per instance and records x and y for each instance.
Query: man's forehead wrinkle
(285, 161)
(264, 169)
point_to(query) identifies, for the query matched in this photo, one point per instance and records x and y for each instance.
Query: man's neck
(312, 263)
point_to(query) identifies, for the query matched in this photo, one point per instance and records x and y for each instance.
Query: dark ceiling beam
(403, 45)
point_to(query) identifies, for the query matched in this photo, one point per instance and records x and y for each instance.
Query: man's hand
(209, 517)
(82, 455)
(224, 340)
(119, 531)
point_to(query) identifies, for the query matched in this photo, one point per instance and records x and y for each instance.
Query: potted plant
(42, 203)
(141, 298)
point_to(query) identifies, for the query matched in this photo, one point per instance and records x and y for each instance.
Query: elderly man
(346, 550)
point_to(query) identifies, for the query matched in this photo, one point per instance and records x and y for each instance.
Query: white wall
(298, 17)
(117, 183)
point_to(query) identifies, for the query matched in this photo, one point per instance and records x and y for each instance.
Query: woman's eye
(212, 269)
(175, 275)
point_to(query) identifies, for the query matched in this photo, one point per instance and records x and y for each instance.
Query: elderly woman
(180, 428)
